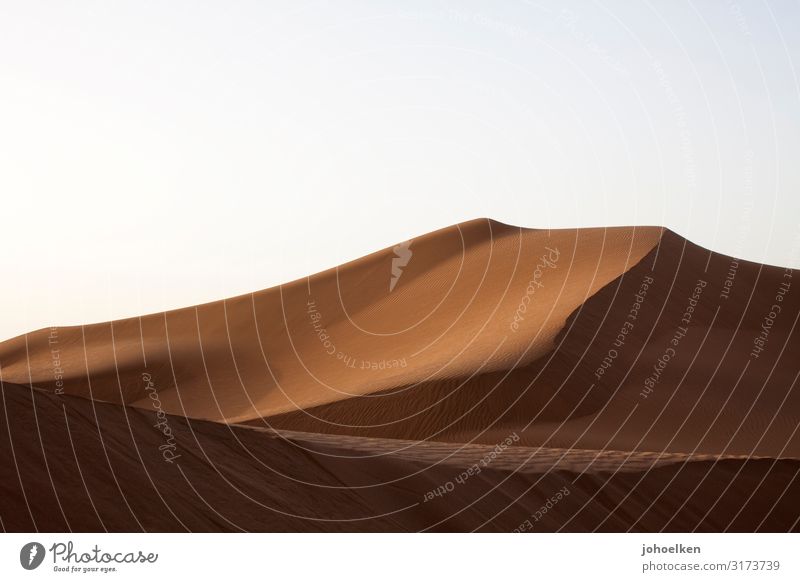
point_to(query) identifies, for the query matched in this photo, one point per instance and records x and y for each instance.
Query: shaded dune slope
(72, 464)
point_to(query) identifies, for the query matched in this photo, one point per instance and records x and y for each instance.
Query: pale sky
(156, 155)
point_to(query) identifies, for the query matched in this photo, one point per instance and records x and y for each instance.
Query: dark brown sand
(71, 464)
(483, 377)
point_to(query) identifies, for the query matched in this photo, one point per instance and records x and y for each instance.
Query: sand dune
(654, 379)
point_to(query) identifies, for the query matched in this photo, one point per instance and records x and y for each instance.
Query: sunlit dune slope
(474, 299)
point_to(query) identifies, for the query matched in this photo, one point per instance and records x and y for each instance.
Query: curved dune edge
(476, 298)
(514, 458)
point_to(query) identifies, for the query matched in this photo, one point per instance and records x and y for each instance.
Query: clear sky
(159, 154)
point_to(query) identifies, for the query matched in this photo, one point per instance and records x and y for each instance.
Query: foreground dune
(97, 467)
(654, 379)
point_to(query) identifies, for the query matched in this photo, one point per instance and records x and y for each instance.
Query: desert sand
(481, 377)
